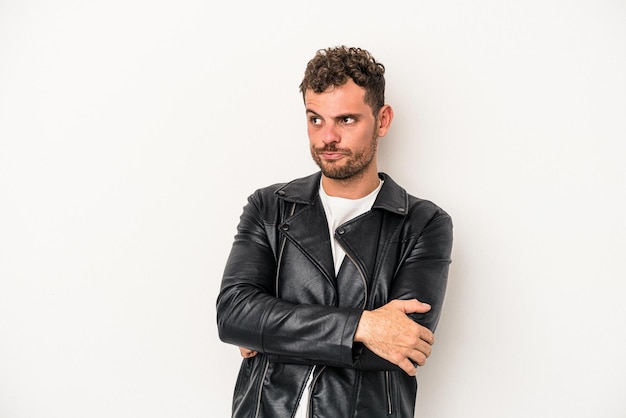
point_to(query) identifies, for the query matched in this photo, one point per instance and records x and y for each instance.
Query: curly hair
(334, 66)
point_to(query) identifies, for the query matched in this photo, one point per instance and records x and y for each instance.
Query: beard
(352, 166)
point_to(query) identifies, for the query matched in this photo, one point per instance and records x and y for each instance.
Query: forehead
(347, 98)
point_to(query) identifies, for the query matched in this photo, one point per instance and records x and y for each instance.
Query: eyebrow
(337, 117)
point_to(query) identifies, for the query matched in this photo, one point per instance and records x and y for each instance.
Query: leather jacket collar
(391, 197)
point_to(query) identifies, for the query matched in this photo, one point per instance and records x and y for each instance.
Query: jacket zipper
(258, 402)
(308, 403)
(388, 387)
(280, 259)
(362, 275)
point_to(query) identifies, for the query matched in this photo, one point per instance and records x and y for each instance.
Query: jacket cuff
(347, 355)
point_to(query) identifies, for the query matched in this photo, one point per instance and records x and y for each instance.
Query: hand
(392, 335)
(246, 353)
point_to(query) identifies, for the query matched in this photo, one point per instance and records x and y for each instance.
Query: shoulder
(424, 207)
(427, 219)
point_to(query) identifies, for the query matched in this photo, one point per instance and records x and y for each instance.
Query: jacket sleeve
(422, 275)
(249, 315)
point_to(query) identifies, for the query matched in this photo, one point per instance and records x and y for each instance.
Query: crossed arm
(389, 333)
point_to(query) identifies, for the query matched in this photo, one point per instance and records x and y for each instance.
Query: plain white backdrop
(131, 133)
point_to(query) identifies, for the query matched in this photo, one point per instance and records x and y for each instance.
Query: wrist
(362, 328)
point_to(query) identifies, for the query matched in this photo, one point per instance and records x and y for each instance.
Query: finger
(414, 306)
(418, 358)
(424, 348)
(427, 336)
(422, 343)
(418, 335)
(247, 353)
(408, 367)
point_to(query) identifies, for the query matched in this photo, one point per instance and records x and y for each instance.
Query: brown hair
(333, 66)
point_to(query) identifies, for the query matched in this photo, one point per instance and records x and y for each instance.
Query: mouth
(331, 155)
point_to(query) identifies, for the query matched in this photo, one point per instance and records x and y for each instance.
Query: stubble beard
(351, 167)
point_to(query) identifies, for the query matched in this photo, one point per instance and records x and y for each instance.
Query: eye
(315, 120)
(347, 120)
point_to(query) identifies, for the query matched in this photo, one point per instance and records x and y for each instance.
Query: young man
(335, 282)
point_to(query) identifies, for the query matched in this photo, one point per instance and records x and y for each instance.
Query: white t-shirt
(338, 211)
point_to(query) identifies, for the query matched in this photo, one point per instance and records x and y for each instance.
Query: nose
(330, 134)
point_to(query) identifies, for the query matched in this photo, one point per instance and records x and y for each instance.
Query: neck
(351, 188)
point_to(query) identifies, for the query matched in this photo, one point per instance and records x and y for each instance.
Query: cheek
(364, 138)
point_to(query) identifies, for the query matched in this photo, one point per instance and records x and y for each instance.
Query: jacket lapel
(307, 229)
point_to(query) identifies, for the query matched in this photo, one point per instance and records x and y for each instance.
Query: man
(324, 285)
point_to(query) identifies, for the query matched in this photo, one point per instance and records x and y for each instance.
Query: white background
(131, 133)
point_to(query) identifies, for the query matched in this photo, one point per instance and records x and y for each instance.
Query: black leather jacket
(280, 297)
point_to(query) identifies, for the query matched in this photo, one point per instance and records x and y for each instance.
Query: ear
(385, 117)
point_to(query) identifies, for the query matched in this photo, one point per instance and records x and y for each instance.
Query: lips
(332, 155)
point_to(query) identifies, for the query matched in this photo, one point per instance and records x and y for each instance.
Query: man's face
(343, 132)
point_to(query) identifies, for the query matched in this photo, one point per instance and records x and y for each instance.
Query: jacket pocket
(389, 393)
